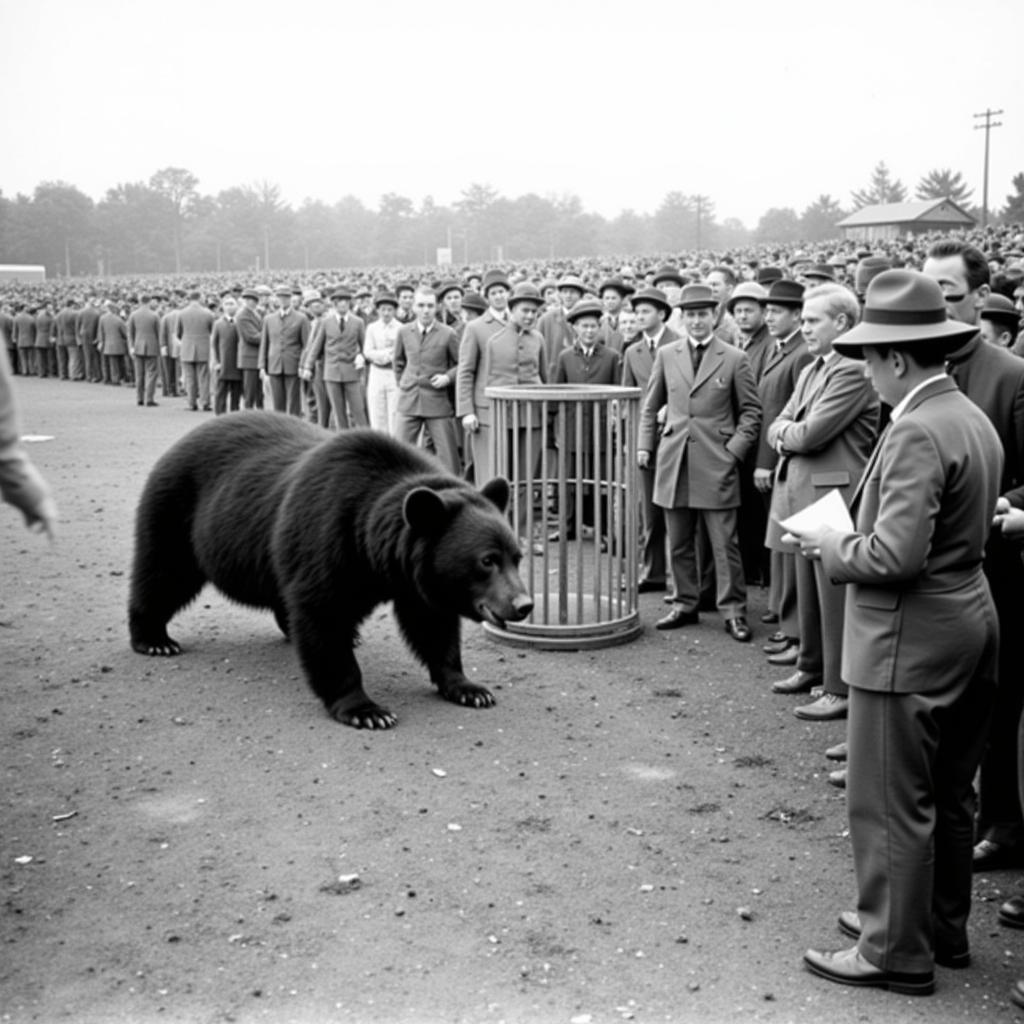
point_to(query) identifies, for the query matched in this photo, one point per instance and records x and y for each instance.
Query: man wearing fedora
(651, 307)
(787, 356)
(554, 326)
(284, 338)
(379, 351)
(993, 379)
(249, 325)
(919, 645)
(712, 421)
(195, 323)
(614, 292)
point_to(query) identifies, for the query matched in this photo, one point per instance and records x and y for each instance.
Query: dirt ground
(641, 833)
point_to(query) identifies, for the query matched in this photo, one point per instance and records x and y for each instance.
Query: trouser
(62, 361)
(820, 604)
(229, 394)
(347, 397)
(197, 382)
(382, 398)
(286, 393)
(782, 591)
(252, 389)
(317, 405)
(654, 535)
(910, 798)
(170, 369)
(26, 361)
(113, 369)
(93, 362)
(731, 593)
(76, 369)
(441, 429)
(145, 378)
(42, 362)
(753, 523)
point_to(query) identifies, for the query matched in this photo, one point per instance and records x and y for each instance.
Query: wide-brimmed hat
(654, 296)
(1001, 309)
(750, 290)
(820, 272)
(868, 268)
(903, 307)
(341, 292)
(386, 299)
(767, 275)
(525, 292)
(248, 293)
(616, 284)
(668, 273)
(474, 302)
(588, 307)
(493, 278)
(448, 286)
(696, 296)
(785, 293)
(571, 281)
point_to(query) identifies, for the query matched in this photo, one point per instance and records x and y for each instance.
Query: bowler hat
(362, 292)
(525, 292)
(588, 307)
(385, 299)
(341, 292)
(867, 269)
(750, 290)
(571, 281)
(766, 275)
(448, 286)
(492, 279)
(616, 284)
(696, 296)
(785, 293)
(903, 307)
(670, 274)
(820, 272)
(474, 302)
(1001, 309)
(654, 296)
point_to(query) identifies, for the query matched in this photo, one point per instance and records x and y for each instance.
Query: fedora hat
(820, 272)
(474, 302)
(766, 275)
(616, 284)
(670, 274)
(654, 296)
(571, 281)
(903, 307)
(526, 292)
(492, 279)
(386, 299)
(341, 292)
(747, 290)
(448, 286)
(785, 293)
(696, 296)
(868, 268)
(248, 293)
(1001, 309)
(588, 307)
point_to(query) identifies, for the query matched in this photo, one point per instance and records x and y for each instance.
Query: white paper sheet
(829, 510)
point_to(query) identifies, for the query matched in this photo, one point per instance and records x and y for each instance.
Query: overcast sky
(754, 104)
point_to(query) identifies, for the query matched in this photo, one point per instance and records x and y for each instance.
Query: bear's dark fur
(321, 528)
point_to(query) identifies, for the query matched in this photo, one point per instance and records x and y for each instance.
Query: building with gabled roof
(894, 220)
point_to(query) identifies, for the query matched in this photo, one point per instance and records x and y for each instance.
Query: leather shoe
(769, 618)
(677, 618)
(837, 753)
(670, 598)
(837, 778)
(798, 682)
(650, 586)
(777, 637)
(1011, 913)
(738, 629)
(787, 656)
(1017, 993)
(849, 924)
(848, 967)
(827, 707)
(781, 646)
(990, 855)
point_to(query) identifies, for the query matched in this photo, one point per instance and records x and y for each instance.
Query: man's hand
(763, 480)
(662, 415)
(439, 381)
(1010, 520)
(470, 423)
(809, 541)
(643, 458)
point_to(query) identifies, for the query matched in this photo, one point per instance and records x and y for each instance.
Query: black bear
(321, 528)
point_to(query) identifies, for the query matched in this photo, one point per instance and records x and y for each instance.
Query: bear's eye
(489, 561)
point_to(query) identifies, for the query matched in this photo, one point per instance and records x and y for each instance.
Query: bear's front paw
(468, 695)
(163, 647)
(363, 716)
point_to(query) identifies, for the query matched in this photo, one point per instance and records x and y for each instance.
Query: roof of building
(943, 211)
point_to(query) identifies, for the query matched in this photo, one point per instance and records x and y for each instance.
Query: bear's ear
(425, 510)
(496, 492)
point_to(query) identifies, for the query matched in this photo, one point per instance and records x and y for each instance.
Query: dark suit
(25, 341)
(68, 361)
(87, 328)
(712, 422)
(637, 363)
(919, 654)
(250, 327)
(421, 406)
(827, 430)
(144, 342)
(170, 350)
(224, 349)
(284, 337)
(339, 345)
(195, 322)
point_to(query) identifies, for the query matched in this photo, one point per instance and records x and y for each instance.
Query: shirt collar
(901, 406)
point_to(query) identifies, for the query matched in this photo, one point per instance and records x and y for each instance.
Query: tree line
(166, 224)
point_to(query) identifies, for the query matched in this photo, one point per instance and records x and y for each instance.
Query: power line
(987, 128)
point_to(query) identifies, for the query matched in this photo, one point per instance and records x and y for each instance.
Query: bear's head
(471, 557)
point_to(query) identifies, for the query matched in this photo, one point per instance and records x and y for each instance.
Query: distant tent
(891, 220)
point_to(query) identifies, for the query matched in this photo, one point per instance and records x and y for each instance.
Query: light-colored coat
(507, 357)
(144, 332)
(195, 322)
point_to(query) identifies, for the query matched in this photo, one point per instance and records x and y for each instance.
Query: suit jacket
(573, 367)
(282, 342)
(778, 379)
(44, 330)
(25, 330)
(918, 611)
(66, 328)
(557, 333)
(195, 322)
(479, 330)
(713, 420)
(224, 347)
(417, 359)
(112, 335)
(611, 336)
(249, 324)
(828, 429)
(507, 357)
(339, 346)
(169, 343)
(87, 323)
(761, 346)
(638, 360)
(144, 332)
(7, 327)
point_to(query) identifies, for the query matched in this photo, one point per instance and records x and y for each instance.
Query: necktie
(696, 355)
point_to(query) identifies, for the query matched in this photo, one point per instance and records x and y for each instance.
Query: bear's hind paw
(468, 695)
(165, 648)
(366, 715)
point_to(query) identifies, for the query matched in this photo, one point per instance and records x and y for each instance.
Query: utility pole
(700, 203)
(987, 127)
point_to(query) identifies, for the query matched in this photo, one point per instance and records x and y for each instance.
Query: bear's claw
(469, 696)
(166, 648)
(364, 716)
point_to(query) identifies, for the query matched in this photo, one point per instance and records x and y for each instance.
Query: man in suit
(284, 337)
(339, 336)
(195, 322)
(554, 325)
(249, 325)
(652, 310)
(224, 346)
(993, 379)
(787, 356)
(823, 437)
(87, 329)
(919, 645)
(426, 364)
(712, 421)
(112, 341)
(69, 361)
(170, 346)
(144, 346)
(25, 338)
(613, 292)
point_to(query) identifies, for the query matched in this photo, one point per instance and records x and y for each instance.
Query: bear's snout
(522, 606)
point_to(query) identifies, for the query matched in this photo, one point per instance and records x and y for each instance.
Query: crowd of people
(756, 405)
